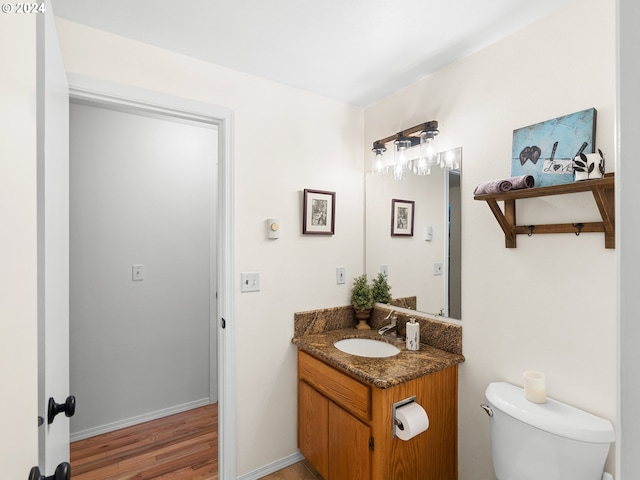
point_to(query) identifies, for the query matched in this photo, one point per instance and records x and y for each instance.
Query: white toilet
(548, 441)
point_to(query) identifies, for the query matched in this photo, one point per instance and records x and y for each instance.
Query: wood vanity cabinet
(345, 425)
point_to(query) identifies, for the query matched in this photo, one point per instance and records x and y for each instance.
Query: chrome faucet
(393, 319)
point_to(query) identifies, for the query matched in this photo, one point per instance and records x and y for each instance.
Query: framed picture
(402, 218)
(546, 150)
(318, 212)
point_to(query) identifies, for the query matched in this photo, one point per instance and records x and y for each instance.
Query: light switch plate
(384, 270)
(437, 269)
(137, 272)
(250, 282)
(340, 275)
(428, 233)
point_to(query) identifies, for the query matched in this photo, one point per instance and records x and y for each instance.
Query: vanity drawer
(347, 392)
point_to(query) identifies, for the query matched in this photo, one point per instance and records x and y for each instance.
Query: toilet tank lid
(553, 416)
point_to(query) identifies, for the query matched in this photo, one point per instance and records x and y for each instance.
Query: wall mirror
(423, 269)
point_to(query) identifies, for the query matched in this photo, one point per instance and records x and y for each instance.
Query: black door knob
(63, 472)
(68, 407)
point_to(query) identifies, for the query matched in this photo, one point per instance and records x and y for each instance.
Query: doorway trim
(222, 320)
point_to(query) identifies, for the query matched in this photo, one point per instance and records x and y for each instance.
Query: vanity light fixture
(413, 151)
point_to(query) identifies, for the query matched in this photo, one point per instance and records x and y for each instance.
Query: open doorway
(223, 321)
(142, 269)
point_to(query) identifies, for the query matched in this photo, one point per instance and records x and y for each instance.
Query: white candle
(535, 388)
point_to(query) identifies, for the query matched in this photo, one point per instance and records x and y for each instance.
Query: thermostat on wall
(273, 228)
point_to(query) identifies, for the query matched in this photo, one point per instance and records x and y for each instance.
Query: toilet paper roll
(413, 419)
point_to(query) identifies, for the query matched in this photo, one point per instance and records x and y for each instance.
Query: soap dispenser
(413, 334)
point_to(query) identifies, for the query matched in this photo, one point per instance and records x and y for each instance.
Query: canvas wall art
(546, 150)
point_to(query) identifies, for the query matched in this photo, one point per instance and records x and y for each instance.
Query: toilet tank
(548, 441)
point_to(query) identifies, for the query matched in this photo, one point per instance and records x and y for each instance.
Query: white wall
(286, 140)
(140, 192)
(550, 304)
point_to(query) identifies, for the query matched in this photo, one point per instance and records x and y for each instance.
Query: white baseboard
(272, 467)
(127, 422)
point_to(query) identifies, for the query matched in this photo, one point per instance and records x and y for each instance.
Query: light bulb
(399, 171)
(379, 166)
(429, 153)
(421, 166)
(450, 158)
(400, 165)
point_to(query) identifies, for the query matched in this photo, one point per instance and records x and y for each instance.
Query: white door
(22, 185)
(18, 246)
(53, 245)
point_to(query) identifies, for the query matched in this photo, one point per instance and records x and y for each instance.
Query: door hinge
(224, 322)
(371, 443)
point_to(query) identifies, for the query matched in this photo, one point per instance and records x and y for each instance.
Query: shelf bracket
(507, 220)
(604, 198)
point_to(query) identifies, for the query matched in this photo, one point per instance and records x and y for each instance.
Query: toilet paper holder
(395, 422)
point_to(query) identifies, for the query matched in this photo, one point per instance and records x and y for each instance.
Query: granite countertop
(379, 372)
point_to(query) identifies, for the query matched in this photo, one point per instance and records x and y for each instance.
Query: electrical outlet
(340, 275)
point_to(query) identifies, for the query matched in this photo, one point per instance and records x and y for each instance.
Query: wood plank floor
(179, 447)
(298, 471)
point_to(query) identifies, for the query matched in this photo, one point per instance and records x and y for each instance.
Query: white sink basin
(365, 347)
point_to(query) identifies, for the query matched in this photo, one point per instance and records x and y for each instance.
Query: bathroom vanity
(345, 410)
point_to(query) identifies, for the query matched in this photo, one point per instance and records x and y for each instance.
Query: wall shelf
(603, 194)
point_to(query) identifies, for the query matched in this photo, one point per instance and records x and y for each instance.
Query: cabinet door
(349, 454)
(313, 427)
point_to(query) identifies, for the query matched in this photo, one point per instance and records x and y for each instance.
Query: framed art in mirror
(402, 217)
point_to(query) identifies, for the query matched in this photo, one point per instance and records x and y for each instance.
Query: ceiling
(356, 51)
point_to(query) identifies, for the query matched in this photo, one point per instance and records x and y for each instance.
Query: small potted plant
(381, 289)
(362, 301)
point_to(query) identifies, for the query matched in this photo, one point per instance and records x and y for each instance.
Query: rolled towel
(523, 181)
(495, 186)
(504, 185)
